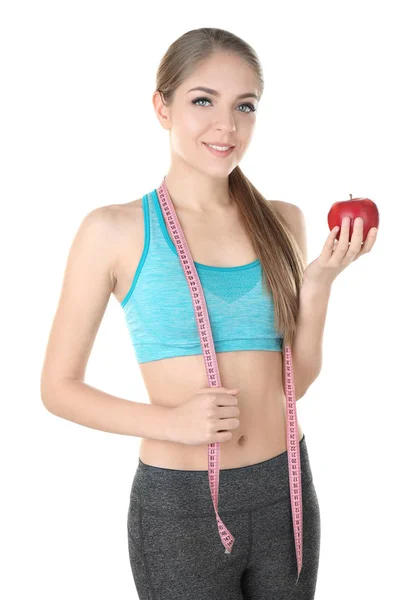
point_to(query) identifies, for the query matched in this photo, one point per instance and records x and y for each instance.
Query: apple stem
(351, 196)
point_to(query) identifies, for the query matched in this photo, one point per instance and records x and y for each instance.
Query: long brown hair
(280, 256)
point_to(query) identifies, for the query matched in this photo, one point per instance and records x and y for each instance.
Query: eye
(250, 106)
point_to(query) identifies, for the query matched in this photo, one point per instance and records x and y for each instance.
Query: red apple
(355, 207)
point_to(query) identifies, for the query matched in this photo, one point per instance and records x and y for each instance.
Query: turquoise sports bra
(158, 306)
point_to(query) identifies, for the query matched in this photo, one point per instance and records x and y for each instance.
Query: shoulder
(112, 226)
(295, 220)
(115, 216)
(115, 220)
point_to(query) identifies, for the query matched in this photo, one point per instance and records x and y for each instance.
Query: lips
(219, 144)
(219, 153)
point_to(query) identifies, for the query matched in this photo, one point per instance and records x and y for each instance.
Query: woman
(250, 256)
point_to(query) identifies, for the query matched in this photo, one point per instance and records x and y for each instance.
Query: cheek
(188, 130)
(192, 123)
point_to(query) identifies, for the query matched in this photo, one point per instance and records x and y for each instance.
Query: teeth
(222, 148)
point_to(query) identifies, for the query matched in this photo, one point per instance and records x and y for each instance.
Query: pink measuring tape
(210, 360)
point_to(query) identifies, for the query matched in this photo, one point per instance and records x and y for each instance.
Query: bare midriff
(171, 381)
(261, 400)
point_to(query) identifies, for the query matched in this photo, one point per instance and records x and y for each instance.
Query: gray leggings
(175, 550)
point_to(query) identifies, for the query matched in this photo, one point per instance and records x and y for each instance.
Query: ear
(295, 220)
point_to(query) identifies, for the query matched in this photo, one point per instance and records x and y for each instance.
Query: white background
(78, 131)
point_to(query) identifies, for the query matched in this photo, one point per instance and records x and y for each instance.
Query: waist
(174, 490)
(260, 436)
(261, 401)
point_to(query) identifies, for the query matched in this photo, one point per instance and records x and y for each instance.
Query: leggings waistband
(241, 489)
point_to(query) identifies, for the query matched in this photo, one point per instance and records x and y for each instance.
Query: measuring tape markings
(211, 365)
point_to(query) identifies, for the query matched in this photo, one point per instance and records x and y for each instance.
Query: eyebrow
(215, 93)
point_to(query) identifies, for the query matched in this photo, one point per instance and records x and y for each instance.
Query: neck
(196, 192)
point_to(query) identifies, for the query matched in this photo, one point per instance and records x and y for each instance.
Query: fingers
(369, 242)
(356, 246)
(337, 249)
(329, 244)
(344, 233)
(356, 238)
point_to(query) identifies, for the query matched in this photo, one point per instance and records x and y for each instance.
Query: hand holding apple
(353, 208)
(336, 257)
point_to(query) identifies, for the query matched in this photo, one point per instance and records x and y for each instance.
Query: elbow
(44, 394)
(51, 394)
(300, 391)
(303, 383)
(305, 387)
(47, 398)
(303, 376)
(299, 395)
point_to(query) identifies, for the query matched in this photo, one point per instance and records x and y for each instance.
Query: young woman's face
(197, 117)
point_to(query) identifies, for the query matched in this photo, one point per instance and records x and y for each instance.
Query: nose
(224, 121)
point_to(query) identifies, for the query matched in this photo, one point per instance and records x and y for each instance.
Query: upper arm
(87, 285)
(294, 217)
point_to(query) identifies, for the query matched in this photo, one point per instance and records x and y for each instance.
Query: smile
(220, 153)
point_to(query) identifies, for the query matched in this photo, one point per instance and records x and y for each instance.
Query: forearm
(308, 342)
(83, 404)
